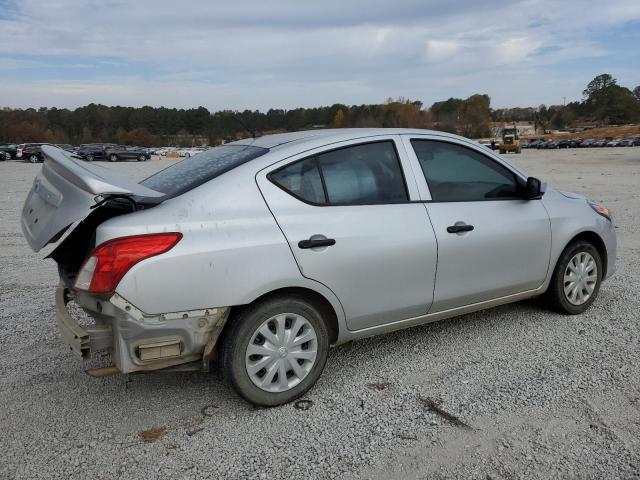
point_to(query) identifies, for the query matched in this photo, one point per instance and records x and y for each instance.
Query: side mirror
(534, 189)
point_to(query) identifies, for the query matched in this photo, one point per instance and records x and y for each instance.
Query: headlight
(600, 209)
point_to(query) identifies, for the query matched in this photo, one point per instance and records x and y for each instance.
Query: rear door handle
(459, 228)
(317, 242)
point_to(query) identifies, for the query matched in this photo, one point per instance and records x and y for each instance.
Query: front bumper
(137, 341)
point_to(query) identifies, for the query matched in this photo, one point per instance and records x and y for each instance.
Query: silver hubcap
(580, 278)
(281, 352)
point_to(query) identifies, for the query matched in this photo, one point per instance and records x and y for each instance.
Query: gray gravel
(544, 395)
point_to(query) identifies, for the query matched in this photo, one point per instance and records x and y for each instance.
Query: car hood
(575, 196)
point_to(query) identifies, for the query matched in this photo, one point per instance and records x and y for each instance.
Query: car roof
(277, 140)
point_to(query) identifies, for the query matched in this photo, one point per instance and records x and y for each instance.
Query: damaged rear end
(69, 194)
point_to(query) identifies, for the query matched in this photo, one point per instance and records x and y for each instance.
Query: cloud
(260, 54)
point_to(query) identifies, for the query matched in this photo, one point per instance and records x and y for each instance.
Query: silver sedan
(259, 255)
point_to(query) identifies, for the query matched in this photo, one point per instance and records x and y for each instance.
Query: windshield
(198, 169)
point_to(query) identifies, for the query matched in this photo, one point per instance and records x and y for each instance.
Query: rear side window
(302, 180)
(458, 174)
(198, 169)
(359, 175)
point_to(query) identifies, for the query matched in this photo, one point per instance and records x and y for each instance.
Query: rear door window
(366, 174)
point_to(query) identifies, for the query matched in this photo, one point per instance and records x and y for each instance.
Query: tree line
(604, 102)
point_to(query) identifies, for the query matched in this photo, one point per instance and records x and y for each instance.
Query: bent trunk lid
(64, 192)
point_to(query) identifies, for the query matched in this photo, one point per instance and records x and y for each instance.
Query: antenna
(252, 132)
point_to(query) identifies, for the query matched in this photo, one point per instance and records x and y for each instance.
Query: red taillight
(107, 264)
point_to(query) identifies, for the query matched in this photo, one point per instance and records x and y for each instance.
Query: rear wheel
(113, 157)
(90, 158)
(576, 279)
(275, 350)
(33, 158)
(142, 158)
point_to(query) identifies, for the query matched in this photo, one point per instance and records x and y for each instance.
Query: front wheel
(89, 158)
(142, 158)
(113, 157)
(576, 279)
(33, 158)
(274, 351)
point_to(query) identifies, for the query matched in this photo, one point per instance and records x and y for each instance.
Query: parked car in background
(613, 143)
(167, 150)
(32, 152)
(116, 153)
(66, 147)
(190, 152)
(600, 143)
(92, 151)
(590, 142)
(535, 143)
(10, 149)
(165, 275)
(575, 143)
(564, 144)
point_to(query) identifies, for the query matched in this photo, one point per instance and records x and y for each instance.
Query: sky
(262, 54)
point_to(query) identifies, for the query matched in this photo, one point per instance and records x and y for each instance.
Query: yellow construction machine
(510, 141)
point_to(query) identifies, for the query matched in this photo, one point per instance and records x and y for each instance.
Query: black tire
(239, 331)
(556, 296)
(142, 158)
(90, 158)
(113, 157)
(33, 158)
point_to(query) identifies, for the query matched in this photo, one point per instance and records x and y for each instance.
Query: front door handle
(459, 228)
(316, 242)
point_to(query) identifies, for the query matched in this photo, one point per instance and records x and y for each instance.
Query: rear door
(63, 193)
(351, 217)
(491, 242)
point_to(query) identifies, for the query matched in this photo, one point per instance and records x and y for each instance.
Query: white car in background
(164, 151)
(190, 152)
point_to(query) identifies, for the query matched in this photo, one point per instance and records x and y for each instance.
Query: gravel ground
(530, 394)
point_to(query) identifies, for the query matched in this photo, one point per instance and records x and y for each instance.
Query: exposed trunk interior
(75, 248)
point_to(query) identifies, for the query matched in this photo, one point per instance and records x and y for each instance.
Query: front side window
(458, 174)
(359, 175)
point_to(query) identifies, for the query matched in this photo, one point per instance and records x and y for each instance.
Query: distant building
(524, 128)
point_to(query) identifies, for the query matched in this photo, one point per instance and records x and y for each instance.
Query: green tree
(608, 102)
(339, 120)
(121, 136)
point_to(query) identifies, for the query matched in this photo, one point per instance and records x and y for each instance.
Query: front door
(491, 242)
(350, 223)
